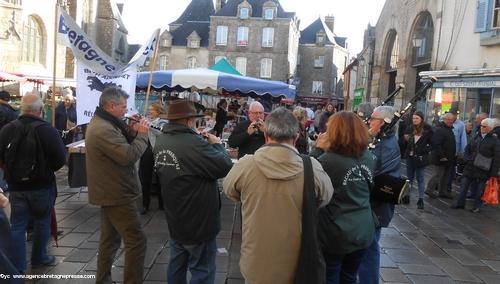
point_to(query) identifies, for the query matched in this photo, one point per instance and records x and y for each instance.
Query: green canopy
(223, 66)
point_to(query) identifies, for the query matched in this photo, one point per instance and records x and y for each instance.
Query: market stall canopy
(9, 77)
(187, 79)
(223, 66)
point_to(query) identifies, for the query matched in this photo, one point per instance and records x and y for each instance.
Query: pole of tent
(54, 66)
(151, 69)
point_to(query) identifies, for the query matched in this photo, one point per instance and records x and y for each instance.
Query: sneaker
(420, 203)
(50, 261)
(475, 210)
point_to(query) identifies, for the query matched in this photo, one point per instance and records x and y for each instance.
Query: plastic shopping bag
(490, 195)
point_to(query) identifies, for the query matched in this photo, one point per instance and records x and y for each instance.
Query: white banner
(88, 53)
(90, 85)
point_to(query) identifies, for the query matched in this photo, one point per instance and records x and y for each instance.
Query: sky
(142, 17)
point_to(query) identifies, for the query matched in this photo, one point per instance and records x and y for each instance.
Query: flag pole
(152, 67)
(54, 66)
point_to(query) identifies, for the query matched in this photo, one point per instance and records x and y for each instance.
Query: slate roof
(179, 35)
(196, 11)
(230, 9)
(196, 17)
(308, 35)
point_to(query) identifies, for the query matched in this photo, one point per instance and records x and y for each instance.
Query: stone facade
(284, 31)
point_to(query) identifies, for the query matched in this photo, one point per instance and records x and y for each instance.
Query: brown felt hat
(181, 109)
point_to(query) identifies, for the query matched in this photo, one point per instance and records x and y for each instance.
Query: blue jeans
(199, 258)
(6, 252)
(35, 205)
(477, 186)
(411, 172)
(369, 270)
(343, 268)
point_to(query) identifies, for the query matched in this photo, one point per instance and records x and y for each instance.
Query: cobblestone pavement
(435, 245)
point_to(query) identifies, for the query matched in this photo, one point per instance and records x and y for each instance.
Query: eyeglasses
(256, 112)
(484, 126)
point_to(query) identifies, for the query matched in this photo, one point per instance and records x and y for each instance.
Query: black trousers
(149, 182)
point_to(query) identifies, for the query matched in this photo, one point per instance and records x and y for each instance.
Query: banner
(90, 85)
(88, 53)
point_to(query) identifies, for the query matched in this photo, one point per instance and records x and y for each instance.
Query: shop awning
(472, 78)
(9, 77)
(313, 99)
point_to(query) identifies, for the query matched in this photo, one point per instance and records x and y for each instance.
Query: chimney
(219, 4)
(330, 22)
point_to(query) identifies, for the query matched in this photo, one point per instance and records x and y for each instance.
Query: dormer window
(193, 43)
(244, 13)
(166, 42)
(269, 13)
(320, 38)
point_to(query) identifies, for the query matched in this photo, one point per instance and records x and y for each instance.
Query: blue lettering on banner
(77, 40)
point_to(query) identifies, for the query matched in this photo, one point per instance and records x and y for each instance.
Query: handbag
(389, 189)
(490, 195)
(421, 161)
(311, 265)
(482, 162)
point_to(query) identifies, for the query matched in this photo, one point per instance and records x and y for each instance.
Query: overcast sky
(142, 17)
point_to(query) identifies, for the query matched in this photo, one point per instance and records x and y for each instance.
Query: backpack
(24, 157)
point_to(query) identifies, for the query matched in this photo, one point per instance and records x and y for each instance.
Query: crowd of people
(306, 208)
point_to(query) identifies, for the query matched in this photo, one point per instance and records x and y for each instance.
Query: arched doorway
(420, 50)
(391, 62)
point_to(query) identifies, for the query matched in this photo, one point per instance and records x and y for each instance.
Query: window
(241, 65)
(193, 43)
(268, 13)
(221, 38)
(319, 62)
(496, 15)
(393, 54)
(191, 62)
(242, 39)
(165, 42)
(244, 13)
(33, 43)
(15, 2)
(320, 39)
(217, 58)
(267, 37)
(317, 87)
(162, 62)
(266, 67)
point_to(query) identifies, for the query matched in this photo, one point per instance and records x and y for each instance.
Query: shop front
(468, 91)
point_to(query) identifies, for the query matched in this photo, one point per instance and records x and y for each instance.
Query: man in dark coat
(442, 157)
(486, 145)
(66, 117)
(248, 135)
(188, 166)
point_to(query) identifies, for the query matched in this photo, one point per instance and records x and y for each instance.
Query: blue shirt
(460, 136)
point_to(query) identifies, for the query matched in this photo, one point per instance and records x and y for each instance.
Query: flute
(137, 120)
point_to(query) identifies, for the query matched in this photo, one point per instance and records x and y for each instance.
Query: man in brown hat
(188, 166)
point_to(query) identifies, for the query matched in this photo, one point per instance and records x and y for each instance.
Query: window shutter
(481, 16)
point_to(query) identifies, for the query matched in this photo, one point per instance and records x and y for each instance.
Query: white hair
(255, 105)
(386, 112)
(489, 122)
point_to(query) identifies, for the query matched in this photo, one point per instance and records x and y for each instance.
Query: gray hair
(112, 95)
(386, 112)
(490, 122)
(365, 110)
(31, 103)
(281, 125)
(254, 105)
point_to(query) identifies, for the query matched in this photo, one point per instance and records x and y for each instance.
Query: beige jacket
(112, 176)
(270, 185)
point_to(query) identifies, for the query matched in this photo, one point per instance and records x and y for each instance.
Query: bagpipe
(388, 188)
(387, 100)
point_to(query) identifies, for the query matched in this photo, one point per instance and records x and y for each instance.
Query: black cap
(4, 95)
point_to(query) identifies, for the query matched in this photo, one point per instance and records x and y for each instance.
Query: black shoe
(144, 211)
(406, 200)
(454, 206)
(475, 210)
(50, 261)
(420, 203)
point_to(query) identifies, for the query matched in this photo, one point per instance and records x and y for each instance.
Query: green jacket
(347, 224)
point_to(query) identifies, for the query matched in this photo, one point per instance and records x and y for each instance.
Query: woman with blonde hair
(146, 172)
(346, 224)
(302, 143)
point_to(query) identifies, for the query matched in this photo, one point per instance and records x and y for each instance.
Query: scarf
(120, 124)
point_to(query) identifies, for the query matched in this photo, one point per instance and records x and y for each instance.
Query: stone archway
(419, 51)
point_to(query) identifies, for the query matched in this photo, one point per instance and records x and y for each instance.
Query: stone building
(185, 43)
(455, 40)
(256, 36)
(323, 58)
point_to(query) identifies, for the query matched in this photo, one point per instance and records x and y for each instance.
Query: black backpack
(24, 158)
